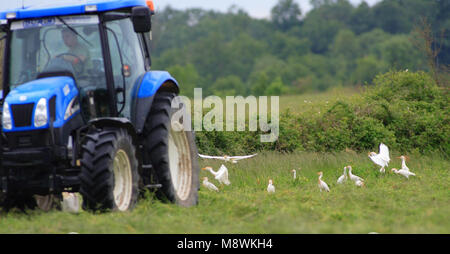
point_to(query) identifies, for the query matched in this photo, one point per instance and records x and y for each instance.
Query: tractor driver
(78, 53)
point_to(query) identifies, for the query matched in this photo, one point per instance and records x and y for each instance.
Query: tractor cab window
(58, 46)
(127, 60)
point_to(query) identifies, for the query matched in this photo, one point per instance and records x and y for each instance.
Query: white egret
(221, 175)
(270, 187)
(382, 158)
(353, 177)
(343, 177)
(403, 158)
(295, 173)
(233, 159)
(209, 185)
(322, 185)
(403, 172)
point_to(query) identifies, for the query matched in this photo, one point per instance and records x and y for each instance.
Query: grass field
(388, 204)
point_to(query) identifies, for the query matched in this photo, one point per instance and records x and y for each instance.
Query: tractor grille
(22, 114)
(52, 108)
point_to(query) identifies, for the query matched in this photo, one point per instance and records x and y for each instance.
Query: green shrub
(407, 111)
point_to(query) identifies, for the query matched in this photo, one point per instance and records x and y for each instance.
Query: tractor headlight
(6, 117)
(40, 114)
(73, 107)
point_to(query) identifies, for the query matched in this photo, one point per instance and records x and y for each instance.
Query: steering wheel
(79, 66)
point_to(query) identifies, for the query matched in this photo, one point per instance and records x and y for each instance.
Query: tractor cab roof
(68, 7)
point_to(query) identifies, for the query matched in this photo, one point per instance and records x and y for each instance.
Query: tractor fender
(143, 94)
(117, 122)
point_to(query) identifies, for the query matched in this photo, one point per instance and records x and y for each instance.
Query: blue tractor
(83, 112)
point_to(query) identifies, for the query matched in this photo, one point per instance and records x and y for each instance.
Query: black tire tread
(156, 131)
(96, 177)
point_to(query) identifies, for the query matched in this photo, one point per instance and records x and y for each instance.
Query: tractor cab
(80, 107)
(102, 52)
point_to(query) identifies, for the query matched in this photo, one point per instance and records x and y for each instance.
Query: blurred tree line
(334, 44)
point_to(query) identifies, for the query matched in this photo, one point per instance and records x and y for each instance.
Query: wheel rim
(180, 162)
(44, 202)
(122, 180)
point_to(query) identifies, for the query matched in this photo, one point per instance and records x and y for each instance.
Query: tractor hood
(22, 101)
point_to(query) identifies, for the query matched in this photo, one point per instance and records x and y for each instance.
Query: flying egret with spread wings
(221, 175)
(233, 159)
(382, 158)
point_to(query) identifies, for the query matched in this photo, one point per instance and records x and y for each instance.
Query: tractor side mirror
(141, 17)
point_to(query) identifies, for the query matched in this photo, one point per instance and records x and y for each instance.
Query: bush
(407, 111)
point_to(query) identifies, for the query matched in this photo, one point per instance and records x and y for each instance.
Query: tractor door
(127, 59)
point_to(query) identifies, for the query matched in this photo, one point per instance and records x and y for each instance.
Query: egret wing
(211, 157)
(243, 157)
(384, 152)
(223, 174)
(223, 171)
(378, 160)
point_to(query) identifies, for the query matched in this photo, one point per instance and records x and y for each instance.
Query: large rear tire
(109, 171)
(173, 154)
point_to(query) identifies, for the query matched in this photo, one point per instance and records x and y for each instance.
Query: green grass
(317, 102)
(388, 204)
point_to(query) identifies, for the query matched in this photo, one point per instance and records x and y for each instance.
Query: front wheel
(109, 171)
(172, 153)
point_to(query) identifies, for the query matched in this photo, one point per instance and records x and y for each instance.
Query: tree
(366, 69)
(276, 87)
(259, 82)
(318, 3)
(286, 14)
(361, 20)
(229, 86)
(345, 44)
(400, 53)
(392, 17)
(188, 78)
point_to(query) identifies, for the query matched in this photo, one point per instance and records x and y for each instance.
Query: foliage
(334, 44)
(405, 110)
